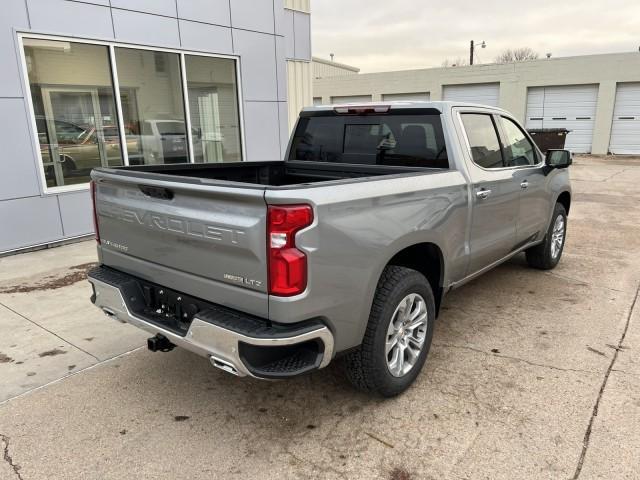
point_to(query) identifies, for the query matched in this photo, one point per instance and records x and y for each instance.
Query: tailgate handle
(156, 192)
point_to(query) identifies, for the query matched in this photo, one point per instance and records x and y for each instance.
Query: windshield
(387, 139)
(171, 128)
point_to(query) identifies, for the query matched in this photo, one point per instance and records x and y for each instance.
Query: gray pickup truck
(346, 248)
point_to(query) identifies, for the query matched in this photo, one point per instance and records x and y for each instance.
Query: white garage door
(625, 132)
(572, 107)
(406, 97)
(352, 99)
(482, 93)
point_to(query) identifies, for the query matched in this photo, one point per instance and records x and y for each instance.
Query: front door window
(518, 149)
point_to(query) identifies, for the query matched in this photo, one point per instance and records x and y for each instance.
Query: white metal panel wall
(482, 93)
(300, 5)
(625, 131)
(406, 97)
(26, 217)
(296, 28)
(300, 86)
(572, 107)
(351, 99)
(324, 70)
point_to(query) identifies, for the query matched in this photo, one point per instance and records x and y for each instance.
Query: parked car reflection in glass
(77, 149)
(164, 141)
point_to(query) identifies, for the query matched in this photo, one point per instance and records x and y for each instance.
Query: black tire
(366, 367)
(541, 256)
(68, 166)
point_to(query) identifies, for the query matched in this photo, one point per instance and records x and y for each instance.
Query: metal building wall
(300, 89)
(257, 31)
(608, 71)
(297, 22)
(325, 69)
(299, 5)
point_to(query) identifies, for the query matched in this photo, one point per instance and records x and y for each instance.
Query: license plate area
(167, 308)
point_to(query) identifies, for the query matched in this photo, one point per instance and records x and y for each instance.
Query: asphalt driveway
(532, 375)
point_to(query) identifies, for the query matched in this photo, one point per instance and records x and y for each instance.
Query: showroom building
(596, 97)
(196, 81)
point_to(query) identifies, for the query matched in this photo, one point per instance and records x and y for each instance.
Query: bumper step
(236, 342)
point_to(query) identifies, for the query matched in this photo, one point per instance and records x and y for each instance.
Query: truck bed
(201, 228)
(261, 174)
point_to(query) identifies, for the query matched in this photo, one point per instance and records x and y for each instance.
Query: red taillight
(94, 189)
(287, 264)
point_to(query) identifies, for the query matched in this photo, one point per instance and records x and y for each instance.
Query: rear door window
(483, 140)
(395, 139)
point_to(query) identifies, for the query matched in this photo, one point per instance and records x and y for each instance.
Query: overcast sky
(382, 35)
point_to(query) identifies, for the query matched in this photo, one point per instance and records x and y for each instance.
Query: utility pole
(471, 53)
(473, 48)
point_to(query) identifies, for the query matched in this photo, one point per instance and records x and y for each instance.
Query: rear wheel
(398, 335)
(547, 255)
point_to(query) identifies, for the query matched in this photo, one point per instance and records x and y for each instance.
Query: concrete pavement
(47, 330)
(532, 375)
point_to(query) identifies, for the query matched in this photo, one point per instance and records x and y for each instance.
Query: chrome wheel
(406, 334)
(557, 236)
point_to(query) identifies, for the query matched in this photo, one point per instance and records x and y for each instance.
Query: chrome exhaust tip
(111, 314)
(224, 365)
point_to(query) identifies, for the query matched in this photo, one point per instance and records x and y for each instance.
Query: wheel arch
(565, 200)
(426, 258)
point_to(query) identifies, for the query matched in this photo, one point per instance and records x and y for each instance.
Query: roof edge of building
(489, 65)
(335, 64)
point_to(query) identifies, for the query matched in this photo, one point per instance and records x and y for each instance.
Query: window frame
(113, 69)
(495, 116)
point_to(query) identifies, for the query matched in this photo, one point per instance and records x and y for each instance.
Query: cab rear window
(392, 139)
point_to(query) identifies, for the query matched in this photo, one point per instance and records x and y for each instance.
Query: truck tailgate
(202, 239)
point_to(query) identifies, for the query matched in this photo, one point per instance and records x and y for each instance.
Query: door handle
(524, 185)
(483, 194)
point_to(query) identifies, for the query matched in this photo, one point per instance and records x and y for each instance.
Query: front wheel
(547, 255)
(398, 335)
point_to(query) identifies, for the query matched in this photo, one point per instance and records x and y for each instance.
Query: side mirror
(558, 158)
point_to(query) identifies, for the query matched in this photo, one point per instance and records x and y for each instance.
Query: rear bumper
(238, 343)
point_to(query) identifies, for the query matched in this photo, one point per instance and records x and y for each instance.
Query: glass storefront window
(81, 125)
(213, 109)
(152, 106)
(74, 105)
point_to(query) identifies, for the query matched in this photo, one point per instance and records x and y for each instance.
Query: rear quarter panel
(358, 227)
